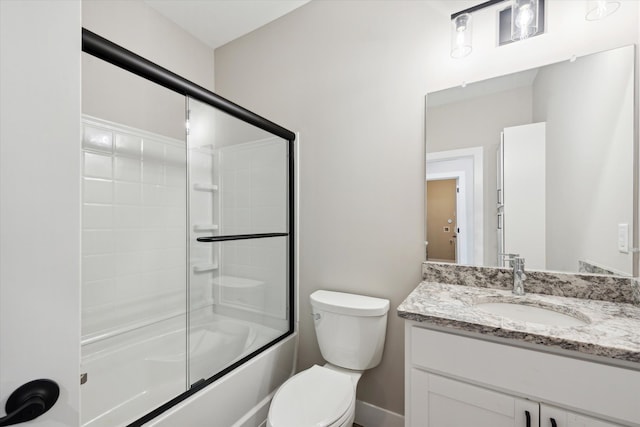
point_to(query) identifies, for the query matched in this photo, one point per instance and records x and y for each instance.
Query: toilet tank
(350, 328)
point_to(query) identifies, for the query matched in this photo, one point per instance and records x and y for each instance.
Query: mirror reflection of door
(441, 220)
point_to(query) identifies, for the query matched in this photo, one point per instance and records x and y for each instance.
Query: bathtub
(240, 398)
(133, 373)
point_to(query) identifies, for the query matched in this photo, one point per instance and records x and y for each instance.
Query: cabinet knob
(528, 417)
(553, 422)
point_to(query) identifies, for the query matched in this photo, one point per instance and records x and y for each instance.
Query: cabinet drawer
(592, 388)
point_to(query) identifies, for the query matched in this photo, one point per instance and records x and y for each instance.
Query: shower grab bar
(240, 237)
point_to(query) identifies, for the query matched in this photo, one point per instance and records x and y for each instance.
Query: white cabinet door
(555, 417)
(442, 402)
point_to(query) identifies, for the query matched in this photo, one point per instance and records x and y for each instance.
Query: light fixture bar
(477, 7)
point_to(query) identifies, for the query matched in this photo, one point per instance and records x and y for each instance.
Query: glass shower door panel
(134, 245)
(251, 295)
(253, 187)
(239, 278)
(253, 280)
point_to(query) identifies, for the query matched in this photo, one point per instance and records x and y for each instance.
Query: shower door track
(114, 54)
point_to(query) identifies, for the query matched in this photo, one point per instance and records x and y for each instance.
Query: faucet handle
(510, 257)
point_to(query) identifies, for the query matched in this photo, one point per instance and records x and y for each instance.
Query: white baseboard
(368, 415)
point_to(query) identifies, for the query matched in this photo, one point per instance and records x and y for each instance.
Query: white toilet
(350, 331)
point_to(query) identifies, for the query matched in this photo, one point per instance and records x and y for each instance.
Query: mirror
(537, 163)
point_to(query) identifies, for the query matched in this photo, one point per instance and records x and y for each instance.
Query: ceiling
(217, 22)
(449, 7)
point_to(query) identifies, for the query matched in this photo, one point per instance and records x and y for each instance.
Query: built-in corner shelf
(205, 227)
(199, 186)
(236, 282)
(203, 268)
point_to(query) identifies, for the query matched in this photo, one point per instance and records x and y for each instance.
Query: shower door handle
(29, 401)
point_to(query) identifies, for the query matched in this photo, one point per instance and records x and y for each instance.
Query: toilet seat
(316, 397)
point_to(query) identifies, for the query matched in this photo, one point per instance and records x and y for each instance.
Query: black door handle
(29, 401)
(553, 422)
(528, 416)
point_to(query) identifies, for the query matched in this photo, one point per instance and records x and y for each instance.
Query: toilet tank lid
(349, 304)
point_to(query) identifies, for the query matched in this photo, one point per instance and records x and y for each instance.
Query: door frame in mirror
(476, 155)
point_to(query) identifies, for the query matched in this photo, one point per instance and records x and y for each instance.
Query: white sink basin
(530, 314)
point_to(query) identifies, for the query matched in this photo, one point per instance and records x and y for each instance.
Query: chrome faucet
(518, 276)
(517, 263)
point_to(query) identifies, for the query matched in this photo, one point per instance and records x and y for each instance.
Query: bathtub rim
(201, 392)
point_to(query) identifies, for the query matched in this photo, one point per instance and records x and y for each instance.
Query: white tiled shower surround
(253, 199)
(245, 194)
(135, 269)
(133, 231)
(134, 226)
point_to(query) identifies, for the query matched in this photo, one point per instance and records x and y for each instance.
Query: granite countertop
(612, 329)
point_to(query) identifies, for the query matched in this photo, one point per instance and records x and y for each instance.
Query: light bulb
(524, 19)
(461, 36)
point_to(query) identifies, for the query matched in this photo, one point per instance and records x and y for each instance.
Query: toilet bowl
(351, 330)
(321, 396)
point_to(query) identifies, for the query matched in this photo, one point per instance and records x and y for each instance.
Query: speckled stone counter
(587, 286)
(612, 328)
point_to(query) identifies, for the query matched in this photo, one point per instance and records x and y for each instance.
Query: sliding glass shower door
(187, 229)
(134, 245)
(239, 245)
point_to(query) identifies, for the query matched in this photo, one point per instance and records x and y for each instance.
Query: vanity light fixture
(521, 20)
(524, 19)
(597, 10)
(461, 27)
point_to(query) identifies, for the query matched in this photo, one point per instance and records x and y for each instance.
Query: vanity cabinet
(453, 380)
(443, 402)
(563, 418)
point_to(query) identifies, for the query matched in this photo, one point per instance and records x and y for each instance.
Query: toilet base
(347, 418)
